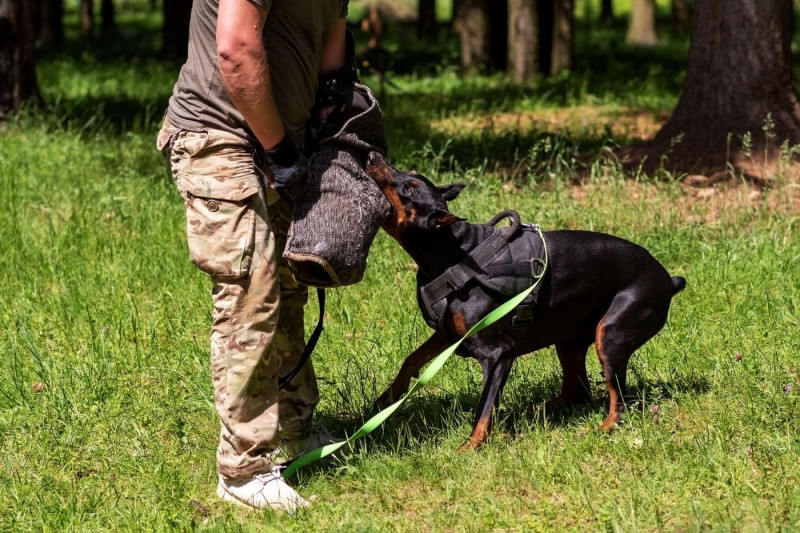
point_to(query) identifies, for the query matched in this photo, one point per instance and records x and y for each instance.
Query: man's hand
(288, 168)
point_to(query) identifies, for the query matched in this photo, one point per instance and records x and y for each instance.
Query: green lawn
(106, 405)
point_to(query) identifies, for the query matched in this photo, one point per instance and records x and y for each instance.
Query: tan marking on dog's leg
(614, 396)
(480, 434)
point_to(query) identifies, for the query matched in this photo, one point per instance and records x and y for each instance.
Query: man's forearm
(334, 56)
(244, 68)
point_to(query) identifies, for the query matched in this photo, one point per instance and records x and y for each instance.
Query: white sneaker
(317, 437)
(262, 491)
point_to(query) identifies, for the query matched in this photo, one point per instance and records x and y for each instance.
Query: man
(237, 116)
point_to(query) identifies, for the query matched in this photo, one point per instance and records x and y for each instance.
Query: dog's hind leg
(615, 369)
(624, 329)
(494, 379)
(410, 369)
(575, 384)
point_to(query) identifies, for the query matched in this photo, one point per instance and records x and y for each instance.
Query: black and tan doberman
(597, 289)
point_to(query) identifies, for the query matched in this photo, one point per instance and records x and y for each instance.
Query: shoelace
(266, 477)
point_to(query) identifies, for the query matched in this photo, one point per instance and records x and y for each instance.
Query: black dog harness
(509, 261)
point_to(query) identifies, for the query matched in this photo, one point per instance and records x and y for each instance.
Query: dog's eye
(408, 190)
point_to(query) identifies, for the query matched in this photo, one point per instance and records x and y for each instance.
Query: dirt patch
(618, 122)
(703, 199)
(706, 204)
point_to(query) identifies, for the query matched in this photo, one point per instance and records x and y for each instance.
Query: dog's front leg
(411, 368)
(494, 379)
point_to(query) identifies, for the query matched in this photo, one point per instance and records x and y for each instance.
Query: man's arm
(334, 56)
(244, 68)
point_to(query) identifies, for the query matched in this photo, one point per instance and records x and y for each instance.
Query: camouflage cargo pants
(236, 230)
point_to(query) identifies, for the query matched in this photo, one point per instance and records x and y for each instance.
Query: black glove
(287, 168)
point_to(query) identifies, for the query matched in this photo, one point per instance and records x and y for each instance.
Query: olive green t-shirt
(294, 36)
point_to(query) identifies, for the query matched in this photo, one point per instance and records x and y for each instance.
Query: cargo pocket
(166, 136)
(220, 223)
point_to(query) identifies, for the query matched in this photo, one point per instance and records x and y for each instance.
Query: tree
(681, 15)
(606, 12)
(473, 26)
(738, 102)
(86, 14)
(18, 85)
(52, 22)
(175, 34)
(540, 37)
(547, 30)
(563, 29)
(642, 23)
(523, 40)
(107, 24)
(427, 28)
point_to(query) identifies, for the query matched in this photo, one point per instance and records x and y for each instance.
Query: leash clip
(537, 267)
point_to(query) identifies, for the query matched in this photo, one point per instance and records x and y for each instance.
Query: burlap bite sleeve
(336, 218)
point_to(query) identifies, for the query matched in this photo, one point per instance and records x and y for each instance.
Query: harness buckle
(456, 277)
(523, 317)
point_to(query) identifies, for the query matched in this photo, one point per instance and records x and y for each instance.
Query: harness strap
(481, 265)
(455, 277)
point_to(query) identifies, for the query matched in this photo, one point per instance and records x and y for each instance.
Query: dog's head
(416, 202)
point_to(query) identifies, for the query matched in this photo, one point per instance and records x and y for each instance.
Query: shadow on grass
(73, 78)
(603, 66)
(109, 115)
(425, 419)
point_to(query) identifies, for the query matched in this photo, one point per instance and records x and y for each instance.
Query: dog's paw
(384, 400)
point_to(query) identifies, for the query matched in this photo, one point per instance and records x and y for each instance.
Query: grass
(106, 407)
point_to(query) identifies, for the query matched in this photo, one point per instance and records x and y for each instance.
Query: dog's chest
(504, 265)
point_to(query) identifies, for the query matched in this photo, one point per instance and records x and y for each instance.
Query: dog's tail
(678, 284)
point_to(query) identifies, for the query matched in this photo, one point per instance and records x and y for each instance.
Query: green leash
(433, 368)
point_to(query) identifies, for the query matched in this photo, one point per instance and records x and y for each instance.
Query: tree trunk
(107, 23)
(86, 14)
(642, 23)
(789, 22)
(681, 16)
(18, 85)
(563, 30)
(546, 11)
(498, 35)
(606, 12)
(472, 24)
(739, 74)
(427, 28)
(523, 40)
(52, 17)
(175, 34)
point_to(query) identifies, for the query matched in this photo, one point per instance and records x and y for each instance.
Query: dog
(597, 289)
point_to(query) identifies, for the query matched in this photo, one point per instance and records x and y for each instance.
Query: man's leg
(230, 238)
(300, 396)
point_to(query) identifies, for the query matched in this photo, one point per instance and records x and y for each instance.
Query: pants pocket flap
(230, 188)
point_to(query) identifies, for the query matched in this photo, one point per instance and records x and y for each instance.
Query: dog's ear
(450, 192)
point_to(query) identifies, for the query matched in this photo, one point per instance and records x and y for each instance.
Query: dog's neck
(435, 251)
